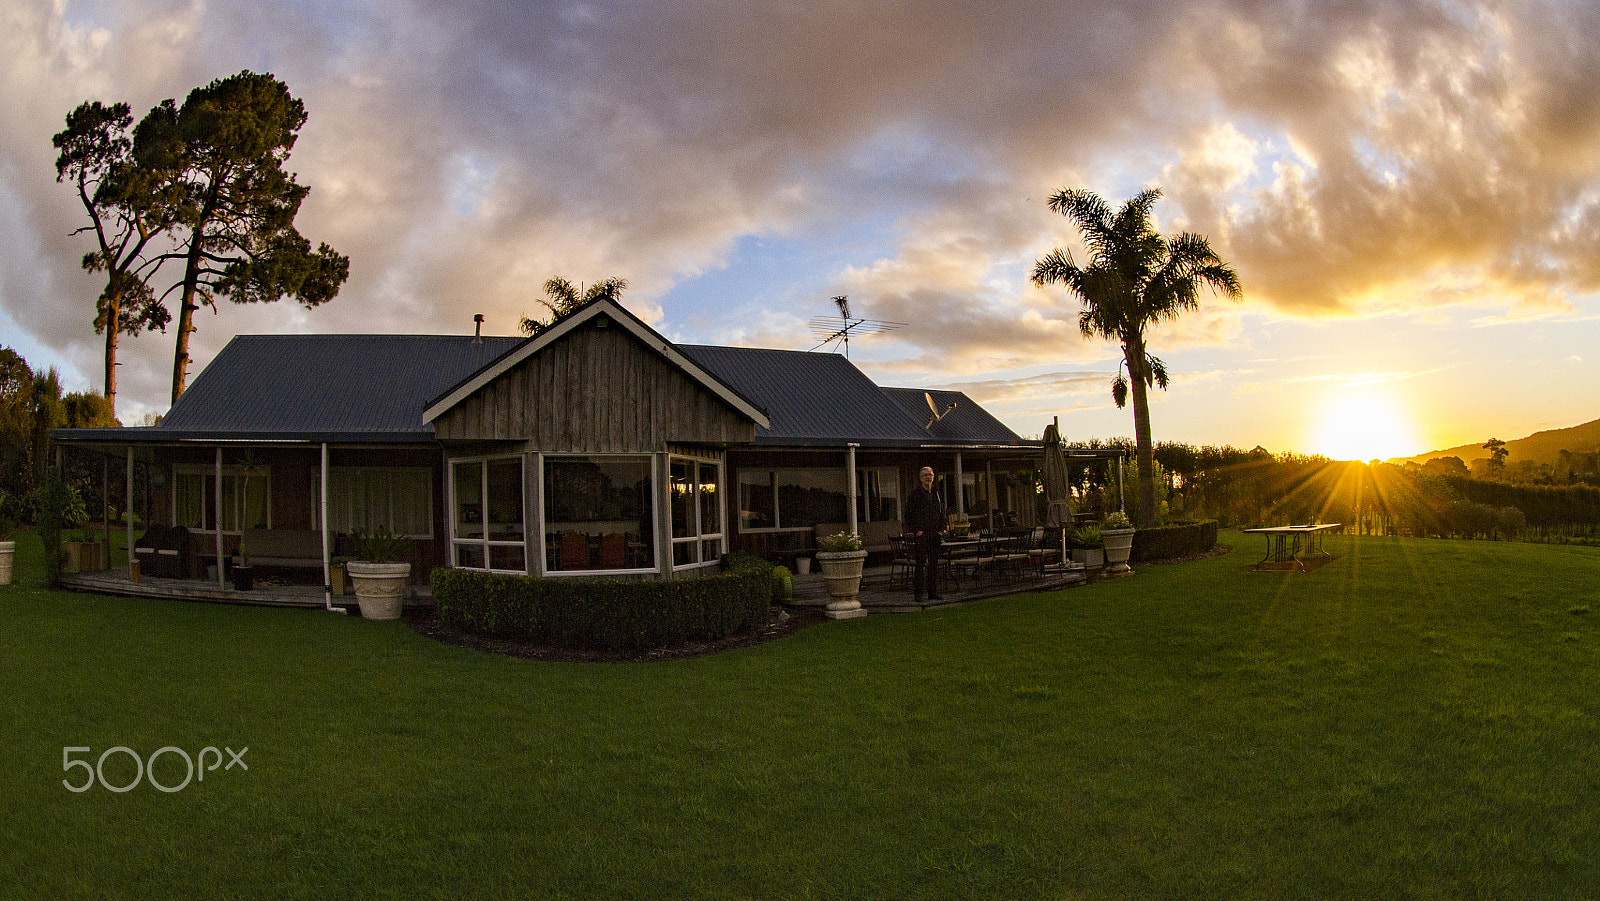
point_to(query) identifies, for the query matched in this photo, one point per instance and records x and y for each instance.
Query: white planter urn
(8, 551)
(381, 588)
(1119, 544)
(842, 571)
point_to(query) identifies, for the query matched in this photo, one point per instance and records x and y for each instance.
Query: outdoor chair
(902, 562)
(613, 551)
(1011, 555)
(1046, 550)
(574, 550)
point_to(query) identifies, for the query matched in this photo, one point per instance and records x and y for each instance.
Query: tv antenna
(838, 329)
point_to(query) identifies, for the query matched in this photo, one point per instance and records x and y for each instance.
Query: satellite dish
(934, 409)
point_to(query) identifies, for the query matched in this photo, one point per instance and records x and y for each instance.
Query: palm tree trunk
(1144, 451)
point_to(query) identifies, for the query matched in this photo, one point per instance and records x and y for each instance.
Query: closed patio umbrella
(1056, 493)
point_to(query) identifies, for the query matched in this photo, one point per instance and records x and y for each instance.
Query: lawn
(1417, 718)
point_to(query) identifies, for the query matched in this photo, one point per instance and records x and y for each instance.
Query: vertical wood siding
(595, 391)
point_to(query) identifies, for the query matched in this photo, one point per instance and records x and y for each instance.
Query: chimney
(477, 331)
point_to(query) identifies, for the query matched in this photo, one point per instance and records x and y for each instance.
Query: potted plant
(8, 544)
(244, 575)
(842, 558)
(1089, 547)
(1116, 531)
(56, 505)
(381, 579)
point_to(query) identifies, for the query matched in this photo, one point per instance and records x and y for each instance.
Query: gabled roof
(593, 310)
(823, 400)
(387, 389)
(322, 387)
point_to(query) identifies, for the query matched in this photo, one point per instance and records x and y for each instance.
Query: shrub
(606, 614)
(1176, 540)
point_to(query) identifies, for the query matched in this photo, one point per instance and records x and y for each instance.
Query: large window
(598, 513)
(696, 512)
(802, 498)
(488, 526)
(245, 503)
(399, 499)
(878, 495)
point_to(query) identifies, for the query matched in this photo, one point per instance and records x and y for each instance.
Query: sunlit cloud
(1412, 161)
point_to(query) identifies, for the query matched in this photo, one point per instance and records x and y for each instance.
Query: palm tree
(562, 299)
(1134, 279)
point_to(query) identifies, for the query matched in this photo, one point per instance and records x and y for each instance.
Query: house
(595, 447)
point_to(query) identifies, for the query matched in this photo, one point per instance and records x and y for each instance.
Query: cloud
(1365, 158)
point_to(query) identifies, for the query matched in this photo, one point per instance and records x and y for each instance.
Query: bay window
(599, 513)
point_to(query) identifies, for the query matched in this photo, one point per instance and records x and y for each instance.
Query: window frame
(233, 472)
(653, 493)
(698, 538)
(485, 543)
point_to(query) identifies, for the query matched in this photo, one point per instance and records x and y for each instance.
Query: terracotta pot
(381, 588)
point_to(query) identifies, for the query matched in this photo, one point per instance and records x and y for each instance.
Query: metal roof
(965, 422)
(336, 387)
(823, 400)
(375, 388)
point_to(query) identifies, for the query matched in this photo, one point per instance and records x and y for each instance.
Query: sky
(1409, 191)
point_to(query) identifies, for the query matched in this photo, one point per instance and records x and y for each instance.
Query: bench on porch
(289, 548)
(875, 536)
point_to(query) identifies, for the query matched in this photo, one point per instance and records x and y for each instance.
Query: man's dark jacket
(925, 511)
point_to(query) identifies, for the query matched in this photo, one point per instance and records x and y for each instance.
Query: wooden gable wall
(596, 390)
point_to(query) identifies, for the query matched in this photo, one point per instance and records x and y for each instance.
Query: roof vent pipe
(477, 330)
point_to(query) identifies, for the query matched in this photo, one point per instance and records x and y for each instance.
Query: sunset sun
(1364, 425)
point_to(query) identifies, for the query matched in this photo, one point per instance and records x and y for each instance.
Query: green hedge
(606, 614)
(1181, 539)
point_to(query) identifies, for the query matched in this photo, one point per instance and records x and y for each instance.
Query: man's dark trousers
(925, 575)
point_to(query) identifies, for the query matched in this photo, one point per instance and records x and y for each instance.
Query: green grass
(1416, 719)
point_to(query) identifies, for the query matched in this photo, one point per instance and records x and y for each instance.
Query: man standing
(925, 520)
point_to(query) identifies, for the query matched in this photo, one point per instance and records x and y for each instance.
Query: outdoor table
(1289, 546)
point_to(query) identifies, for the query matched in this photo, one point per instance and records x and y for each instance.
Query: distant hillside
(1540, 447)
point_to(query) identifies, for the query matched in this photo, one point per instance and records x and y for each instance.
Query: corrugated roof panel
(967, 422)
(817, 398)
(328, 384)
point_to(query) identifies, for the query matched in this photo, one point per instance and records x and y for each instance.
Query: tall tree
(126, 212)
(1134, 279)
(224, 151)
(1497, 455)
(562, 299)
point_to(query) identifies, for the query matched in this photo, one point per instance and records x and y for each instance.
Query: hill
(1540, 447)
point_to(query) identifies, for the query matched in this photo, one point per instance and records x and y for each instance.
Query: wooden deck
(878, 597)
(809, 590)
(116, 581)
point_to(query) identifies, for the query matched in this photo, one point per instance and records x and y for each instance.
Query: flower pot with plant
(8, 529)
(1116, 531)
(1089, 547)
(381, 580)
(843, 558)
